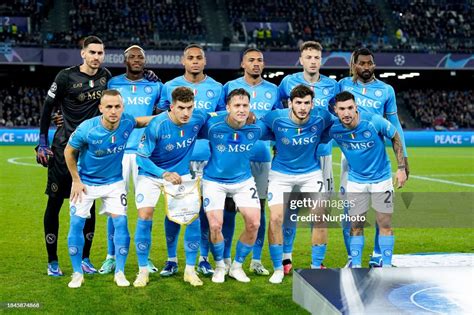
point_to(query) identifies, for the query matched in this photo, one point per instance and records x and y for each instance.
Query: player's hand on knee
(150, 75)
(77, 189)
(57, 118)
(43, 152)
(172, 177)
(400, 178)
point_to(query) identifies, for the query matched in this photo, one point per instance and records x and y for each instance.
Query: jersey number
(321, 185)
(254, 193)
(389, 196)
(123, 199)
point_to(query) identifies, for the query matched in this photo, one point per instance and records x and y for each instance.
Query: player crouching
(94, 158)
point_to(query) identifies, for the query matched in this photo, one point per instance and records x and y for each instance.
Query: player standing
(164, 154)
(140, 96)
(375, 97)
(76, 91)
(209, 97)
(94, 156)
(228, 174)
(264, 97)
(325, 89)
(360, 136)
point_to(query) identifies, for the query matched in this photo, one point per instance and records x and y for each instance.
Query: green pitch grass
(23, 256)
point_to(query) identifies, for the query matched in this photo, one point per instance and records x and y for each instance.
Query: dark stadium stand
(440, 109)
(434, 25)
(20, 106)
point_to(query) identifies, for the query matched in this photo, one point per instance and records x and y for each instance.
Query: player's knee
(215, 226)
(252, 224)
(356, 231)
(385, 230)
(276, 220)
(145, 213)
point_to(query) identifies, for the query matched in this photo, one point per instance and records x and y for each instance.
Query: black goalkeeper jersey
(77, 94)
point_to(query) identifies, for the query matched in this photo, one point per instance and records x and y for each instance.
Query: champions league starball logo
(399, 60)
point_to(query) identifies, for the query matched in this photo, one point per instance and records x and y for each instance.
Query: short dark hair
(301, 91)
(311, 45)
(182, 94)
(361, 52)
(192, 46)
(91, 40)
(110, 93)
(344, 96)
(237, 92)
(249, 50)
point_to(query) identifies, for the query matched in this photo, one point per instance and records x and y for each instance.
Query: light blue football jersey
(168, 145)
(139, 98)
(208, 96)
(297, 144)
(264, 97)
(230, 150)
(325, 90)
(101, 150)
(375, 97)
(364, 147)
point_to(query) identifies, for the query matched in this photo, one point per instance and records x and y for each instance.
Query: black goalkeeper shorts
(59, 179)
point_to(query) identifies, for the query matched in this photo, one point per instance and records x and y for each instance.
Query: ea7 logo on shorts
(73, 250)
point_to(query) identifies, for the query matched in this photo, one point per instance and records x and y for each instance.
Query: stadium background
(439, 98)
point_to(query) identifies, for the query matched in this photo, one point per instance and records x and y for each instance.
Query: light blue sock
(346, 232)
(110, 237)
(143, 241)
(377, 251)
(192, 236)
(204, 246)
(217, 250)
(289, 234)
(258, 246)
(75, 242)
(318, 252)
(386, 243)
(241, 251)
(172, 232)
(121, 241)
(289, 231)
(228, 228)
(357, 246)
(276, 254)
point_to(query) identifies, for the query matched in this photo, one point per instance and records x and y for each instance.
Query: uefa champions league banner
(413, 138)
(171, 59)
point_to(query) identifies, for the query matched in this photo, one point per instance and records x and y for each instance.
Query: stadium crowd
(427, 25)
(20, 106)
(440, 109)
(361, 23)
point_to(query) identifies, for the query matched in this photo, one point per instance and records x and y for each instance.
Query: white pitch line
(14, 161)
(429, 179)
(437, 180)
